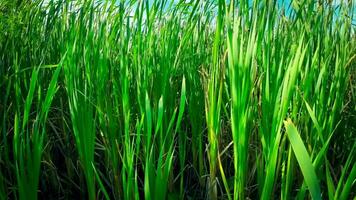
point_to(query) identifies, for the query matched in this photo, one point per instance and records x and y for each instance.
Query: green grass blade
(303, 159)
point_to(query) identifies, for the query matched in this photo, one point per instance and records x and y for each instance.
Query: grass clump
(136, 99)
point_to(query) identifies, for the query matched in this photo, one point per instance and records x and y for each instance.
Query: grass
(139, 99)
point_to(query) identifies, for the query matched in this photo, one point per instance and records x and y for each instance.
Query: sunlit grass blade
(303, 159)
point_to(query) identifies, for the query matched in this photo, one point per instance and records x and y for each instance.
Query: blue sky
(286, 4)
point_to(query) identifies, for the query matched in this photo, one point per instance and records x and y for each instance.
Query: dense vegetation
(139, 99)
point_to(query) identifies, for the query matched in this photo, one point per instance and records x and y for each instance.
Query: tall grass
(139, 99)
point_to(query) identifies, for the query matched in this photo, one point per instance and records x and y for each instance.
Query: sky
(287, 3)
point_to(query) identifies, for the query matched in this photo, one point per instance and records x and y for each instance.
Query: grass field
(166, 99)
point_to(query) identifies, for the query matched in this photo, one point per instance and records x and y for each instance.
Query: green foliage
(140, 99)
